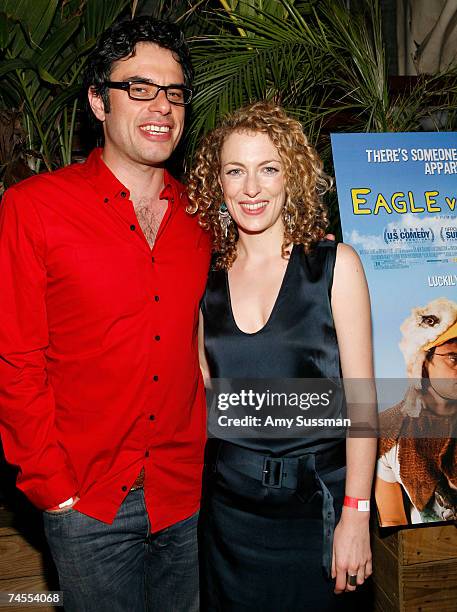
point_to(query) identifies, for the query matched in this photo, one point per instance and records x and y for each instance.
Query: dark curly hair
(119, 41)
(304, 214)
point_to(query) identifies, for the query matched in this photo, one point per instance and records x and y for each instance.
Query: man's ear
(96, 103)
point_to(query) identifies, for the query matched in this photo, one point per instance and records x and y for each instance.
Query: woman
(416, 480)
(280, 303)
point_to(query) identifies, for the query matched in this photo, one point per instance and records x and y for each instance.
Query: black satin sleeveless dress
(266, 543)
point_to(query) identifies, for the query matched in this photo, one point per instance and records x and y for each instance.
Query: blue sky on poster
(404, 253)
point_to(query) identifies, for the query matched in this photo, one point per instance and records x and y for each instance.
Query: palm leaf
(35, 18)
(99, 14)
(60, 39)
(11, 65)
(278, 59)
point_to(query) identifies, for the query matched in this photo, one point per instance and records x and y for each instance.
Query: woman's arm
(201, 349)
(351, 314)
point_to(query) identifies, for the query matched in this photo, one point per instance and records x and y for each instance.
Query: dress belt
(296, 473)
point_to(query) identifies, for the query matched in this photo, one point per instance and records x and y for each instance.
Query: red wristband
(362, 505)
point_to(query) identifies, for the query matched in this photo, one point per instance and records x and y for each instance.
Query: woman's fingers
(361, 575)
(341, 580)
(352, 578)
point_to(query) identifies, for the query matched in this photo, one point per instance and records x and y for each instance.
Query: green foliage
(43, 47)
(324, 63)
(258, 53)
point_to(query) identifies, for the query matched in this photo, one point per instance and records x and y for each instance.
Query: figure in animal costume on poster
(417, 461)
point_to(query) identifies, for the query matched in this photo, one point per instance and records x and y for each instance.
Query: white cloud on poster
(364, 241)
(408, 221)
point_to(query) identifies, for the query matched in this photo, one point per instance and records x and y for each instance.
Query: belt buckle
(272, 472)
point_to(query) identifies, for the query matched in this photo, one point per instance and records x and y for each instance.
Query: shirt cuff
(68, 502)
(52, 491)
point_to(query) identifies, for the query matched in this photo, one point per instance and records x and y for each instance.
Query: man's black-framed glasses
(145, 90)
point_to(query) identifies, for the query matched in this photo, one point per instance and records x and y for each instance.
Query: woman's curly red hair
(304, 214)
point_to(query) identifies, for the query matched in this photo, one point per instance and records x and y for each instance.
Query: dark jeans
(123, 567)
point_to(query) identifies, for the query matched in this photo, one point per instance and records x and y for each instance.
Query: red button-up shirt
(99, 371)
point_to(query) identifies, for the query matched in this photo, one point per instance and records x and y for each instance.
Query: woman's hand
(351, 549)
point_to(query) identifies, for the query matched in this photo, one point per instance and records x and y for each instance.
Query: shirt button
(124, 488)
(123, 194)
(151, 417)
(157, 338)
(133, 227)
(156, 298)
(155, 378)
(106, 200)
(152, 259)
(146, 454)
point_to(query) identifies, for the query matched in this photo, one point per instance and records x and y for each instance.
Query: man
(416, 480)
(102, 404)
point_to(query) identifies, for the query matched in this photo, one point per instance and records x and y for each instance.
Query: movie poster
(397, 196)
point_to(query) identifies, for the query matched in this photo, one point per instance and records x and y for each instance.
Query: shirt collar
(168, 190)
(101, 177)
(105, 182)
